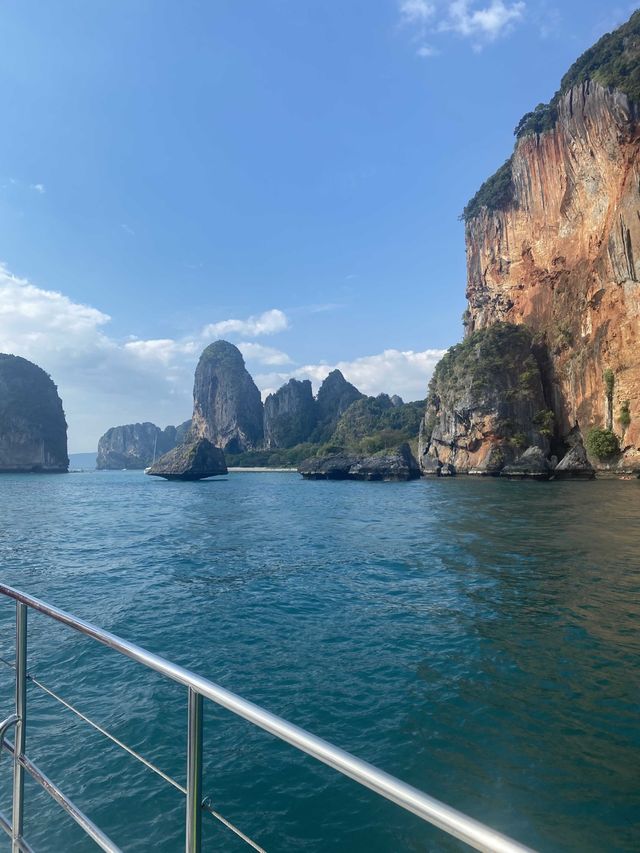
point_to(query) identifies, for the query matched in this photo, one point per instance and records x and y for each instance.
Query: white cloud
(162, 350)
(262, 354)
(416, 11)
(104, 381)
(39, 188)
(393, 371)
(268, 323)
(477, 20)
(488, 22)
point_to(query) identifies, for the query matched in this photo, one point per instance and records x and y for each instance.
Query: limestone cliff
(335, 395)
(227, 407)
(134, 446)
(33, 429)
(290, 415)
(562, 257)
(486, 404)
(553, 243)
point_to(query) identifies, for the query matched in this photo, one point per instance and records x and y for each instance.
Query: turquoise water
(479, 639)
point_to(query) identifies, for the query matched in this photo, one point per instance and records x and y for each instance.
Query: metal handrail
(446, 818)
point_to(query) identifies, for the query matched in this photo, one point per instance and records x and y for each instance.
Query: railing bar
(108, 735)
(193, 805)
(17, 813)
(93, 831)
(22, 844)
(208, 808)
(206, 804)
(6, 825)
(445, 817)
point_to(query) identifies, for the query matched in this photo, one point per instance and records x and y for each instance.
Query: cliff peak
(612, 63)
(290, 415)
(227, 406)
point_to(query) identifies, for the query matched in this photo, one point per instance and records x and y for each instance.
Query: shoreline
(262, 469)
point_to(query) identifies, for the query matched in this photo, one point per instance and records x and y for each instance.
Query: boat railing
(429, 809)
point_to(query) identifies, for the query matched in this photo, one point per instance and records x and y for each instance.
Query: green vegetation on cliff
(487, 355)
(624, 418)
(495, 194)
(613, 62)
(602, 443)
(374, 424)
(369, 425)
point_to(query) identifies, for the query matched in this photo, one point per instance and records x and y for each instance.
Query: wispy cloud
(416, 11)
(39, 188)
(487, 22)
(478, 21)
(105, 380)
(127, 229)
(403, 372)
(267, 323)
(264, 355)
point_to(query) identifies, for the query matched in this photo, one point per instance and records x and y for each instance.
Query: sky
(285, 174)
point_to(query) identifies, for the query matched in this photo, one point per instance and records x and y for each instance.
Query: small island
(33, 428)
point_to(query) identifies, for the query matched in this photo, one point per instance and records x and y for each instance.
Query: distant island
(33, 429)
(291, 426)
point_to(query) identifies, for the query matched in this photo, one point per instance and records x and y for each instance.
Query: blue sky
(286, 173)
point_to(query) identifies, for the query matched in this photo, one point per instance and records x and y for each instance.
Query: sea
(479, 639)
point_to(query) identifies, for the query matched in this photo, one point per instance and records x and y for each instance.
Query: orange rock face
(564, 259)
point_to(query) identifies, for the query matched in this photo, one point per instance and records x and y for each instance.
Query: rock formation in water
(33, 429)
(195, 459)
(134, 446)
(531, 465)
(290, 415)
(574, 465)
(553, 243)
(392, 465)
(227, 407)
(486, 404)
(335, 395)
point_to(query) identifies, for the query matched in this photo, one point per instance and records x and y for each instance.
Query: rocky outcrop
(562, 255)
(33, 429)
(396, 465)
(532, 465)
(193, 460)
(335, 395)
(486, 404)
(134, 446)
(574, 465)
(227, 407)
(290, 415)
(553, 241)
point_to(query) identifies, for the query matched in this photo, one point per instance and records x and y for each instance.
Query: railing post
(21, 726)
(194, 773)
